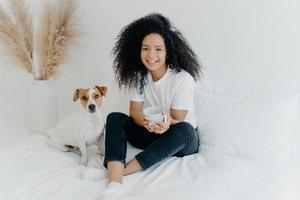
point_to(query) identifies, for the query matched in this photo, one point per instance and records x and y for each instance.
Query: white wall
(249, 44)
(242, 44)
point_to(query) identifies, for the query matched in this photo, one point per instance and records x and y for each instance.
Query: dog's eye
(97, 96)
(84, 98)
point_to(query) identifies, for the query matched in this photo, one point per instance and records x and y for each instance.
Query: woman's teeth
(152, 62)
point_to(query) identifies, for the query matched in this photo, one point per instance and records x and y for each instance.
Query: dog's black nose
(92, 107)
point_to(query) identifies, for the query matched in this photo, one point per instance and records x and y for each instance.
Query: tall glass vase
(42, 105)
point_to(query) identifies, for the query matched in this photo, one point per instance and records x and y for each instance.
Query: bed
(235, 161)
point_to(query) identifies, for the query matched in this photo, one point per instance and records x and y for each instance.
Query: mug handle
(164, 118)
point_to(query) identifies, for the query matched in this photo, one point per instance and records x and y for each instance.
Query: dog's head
(90, 99)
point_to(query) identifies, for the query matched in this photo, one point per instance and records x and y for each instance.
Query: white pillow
(254, 125)
(10, 132)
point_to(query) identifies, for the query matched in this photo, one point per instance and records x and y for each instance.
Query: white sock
(93, 174)
(113, 191)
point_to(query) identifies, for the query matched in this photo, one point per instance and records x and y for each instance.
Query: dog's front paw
(96, 161)
(83, 161)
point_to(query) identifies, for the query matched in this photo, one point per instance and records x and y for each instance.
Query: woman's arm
(136, 112)
(177, 116)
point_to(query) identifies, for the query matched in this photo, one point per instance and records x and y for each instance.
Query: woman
(153, 60)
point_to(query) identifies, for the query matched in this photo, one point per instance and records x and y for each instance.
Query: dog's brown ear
(76, 95)
(102, 89)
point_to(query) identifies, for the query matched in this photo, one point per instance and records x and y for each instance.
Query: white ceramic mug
(155, 114)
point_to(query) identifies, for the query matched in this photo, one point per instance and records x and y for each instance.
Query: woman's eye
(84, 98)
(158, 49)
(144, 49)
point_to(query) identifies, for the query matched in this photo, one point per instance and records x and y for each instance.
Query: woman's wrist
(138, 119)
(174, 121)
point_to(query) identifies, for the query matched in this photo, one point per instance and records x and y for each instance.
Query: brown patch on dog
(101, 89)
(95, 93)
(82, 95)
(76, 94)
(97, 98)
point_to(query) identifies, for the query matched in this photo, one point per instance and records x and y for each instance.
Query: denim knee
(180, 140)
(115, 138)
(116, 117)
(186, 132)
(184, 129)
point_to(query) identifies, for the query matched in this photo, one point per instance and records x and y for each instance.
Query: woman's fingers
(160, 128)
(148, 125)
(157, 128)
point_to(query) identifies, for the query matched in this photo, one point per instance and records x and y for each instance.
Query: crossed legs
(116, 170)
(181, 139)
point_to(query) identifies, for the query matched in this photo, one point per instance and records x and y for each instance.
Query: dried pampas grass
(16, 34)
(58, 33)
(24, 20)
(52, 42)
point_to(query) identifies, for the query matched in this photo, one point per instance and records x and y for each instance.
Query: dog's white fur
(83, 128)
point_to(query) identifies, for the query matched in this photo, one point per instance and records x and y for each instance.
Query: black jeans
(179, 140)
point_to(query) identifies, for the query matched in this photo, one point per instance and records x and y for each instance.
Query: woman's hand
(158, 128)
(148, 124)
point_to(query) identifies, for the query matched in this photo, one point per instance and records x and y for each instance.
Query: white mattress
(32, 170)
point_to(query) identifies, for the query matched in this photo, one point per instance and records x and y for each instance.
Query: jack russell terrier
(83, 128)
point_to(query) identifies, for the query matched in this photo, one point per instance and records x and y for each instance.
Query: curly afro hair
(130, 71)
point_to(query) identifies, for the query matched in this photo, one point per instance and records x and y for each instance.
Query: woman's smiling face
(153, 53)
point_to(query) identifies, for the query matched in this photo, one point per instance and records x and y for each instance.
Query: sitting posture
(83, 128)
(155, 62)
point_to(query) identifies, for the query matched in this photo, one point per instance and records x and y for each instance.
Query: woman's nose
(151, 53)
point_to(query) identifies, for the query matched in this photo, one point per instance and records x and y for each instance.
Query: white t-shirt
(172, 91)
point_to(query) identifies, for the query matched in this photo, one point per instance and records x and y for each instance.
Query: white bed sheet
(32, 170)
